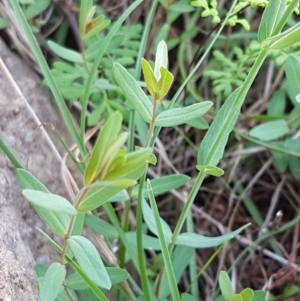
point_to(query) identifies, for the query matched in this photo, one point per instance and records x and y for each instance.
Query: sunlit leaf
(96, 26)
(247, 294)
(165, 82)
(210, 170)
(150, 79)
(109, 133)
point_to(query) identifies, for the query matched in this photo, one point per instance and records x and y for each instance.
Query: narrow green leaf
(89, 260)
(271, 16)
(165, 82)
(109, 132)
(52, 282)
(95, 195)
(213, 144)
(178, 116)
(161, 59)
(292, 73)
(225, 286)
(150, 221)
(133, 92)
(161, 232)
(247, 294)
(210, 170)
(65, 53)
(57, 222)
(202, 242)
(149, 242)
(49, 201)
(101, 227)
(163, 184)
(111, 155)
(285, 39)
(151, 82)
(270, 130)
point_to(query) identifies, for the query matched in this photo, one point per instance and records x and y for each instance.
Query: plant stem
(139, 237)
(67, 236)
(152, 124)
(186, 207)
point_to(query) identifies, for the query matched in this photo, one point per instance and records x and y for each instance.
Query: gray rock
(20, 243)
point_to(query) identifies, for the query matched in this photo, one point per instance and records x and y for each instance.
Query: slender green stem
(164, 248)
(67, 236)
(139, 236)
(186, 207)
(193, 262)
(48, 76)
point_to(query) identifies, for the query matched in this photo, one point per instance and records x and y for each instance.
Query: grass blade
(164, 248)
(48, 76)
